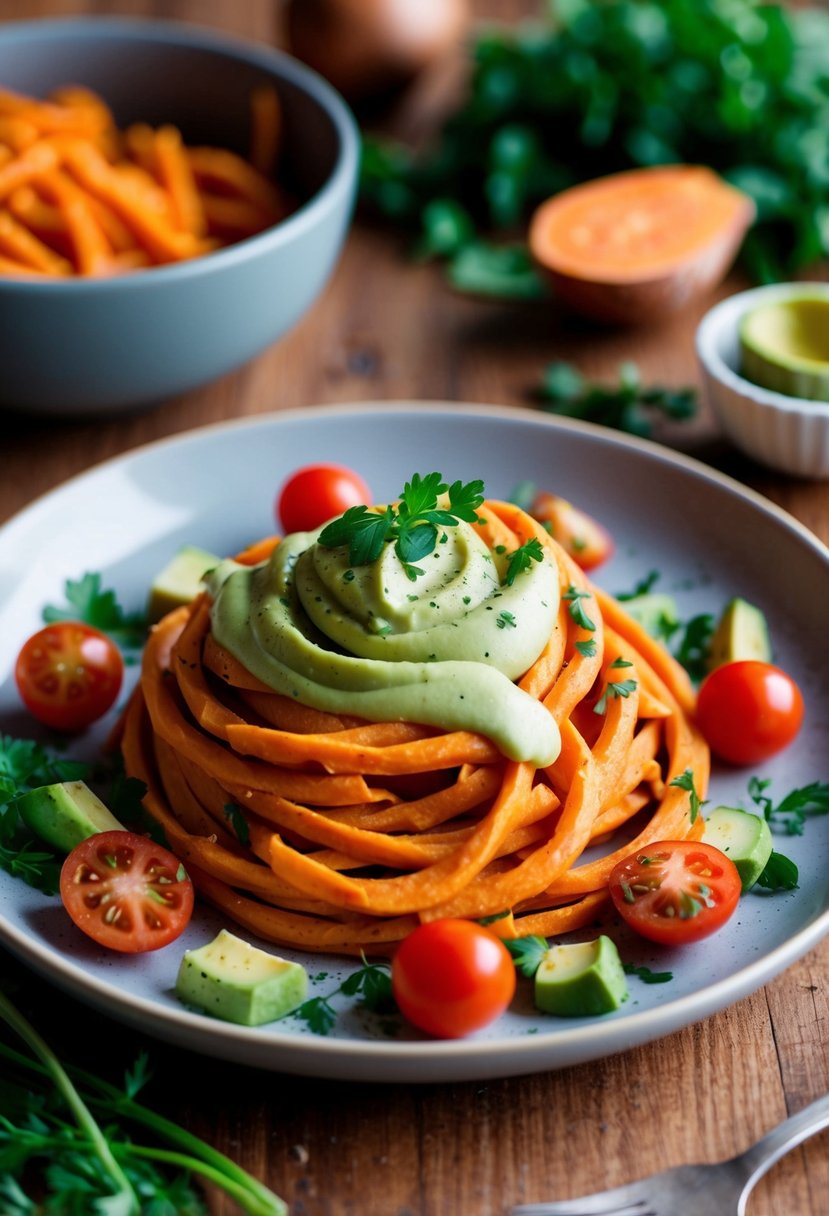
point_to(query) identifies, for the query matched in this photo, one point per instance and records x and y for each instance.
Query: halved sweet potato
(639, 245)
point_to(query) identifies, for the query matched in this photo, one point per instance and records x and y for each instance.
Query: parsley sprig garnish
(574, 596)
(527, 953)
(646, 975)
(627, 406)
(235, 817)
(685, 781)
(615, 688)
(788, 815)
(88, 602)
(521, 559)
(412, 525)
(793, 810)
(372, 982)
(26, 765)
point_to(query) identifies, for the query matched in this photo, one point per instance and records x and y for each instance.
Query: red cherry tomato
(587, 542)
(126, 892)
(748, 711)
(675, 891)
(450, 977)
(315, 494)
(69, 675)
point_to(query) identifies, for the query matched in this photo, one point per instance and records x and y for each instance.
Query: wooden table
(386, 329)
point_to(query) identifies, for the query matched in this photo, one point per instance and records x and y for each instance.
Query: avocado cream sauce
(442, 650)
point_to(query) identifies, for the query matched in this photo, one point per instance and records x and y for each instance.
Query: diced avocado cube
(179, 582)
(742, 836)
(655, 612)
(240, 983)
(581, 979)
(65, 814)
(742, 633)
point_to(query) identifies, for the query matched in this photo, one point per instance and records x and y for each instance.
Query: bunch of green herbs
(597, 86)
(65, 1150)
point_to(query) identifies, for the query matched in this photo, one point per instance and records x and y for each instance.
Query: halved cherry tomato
(69, 675)
(748, 710)
(450, 977)
(126, 892)
(583, 537)
(315, 494)
(675, 891)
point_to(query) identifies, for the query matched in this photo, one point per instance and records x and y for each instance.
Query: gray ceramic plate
(709, 538)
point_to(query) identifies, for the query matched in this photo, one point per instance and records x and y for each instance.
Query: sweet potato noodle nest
(357, 831)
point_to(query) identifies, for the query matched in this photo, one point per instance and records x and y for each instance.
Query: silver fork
(687, 1190)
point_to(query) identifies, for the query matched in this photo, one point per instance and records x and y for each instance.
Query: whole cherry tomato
(450, 977)
(313, 495)
(748, 710)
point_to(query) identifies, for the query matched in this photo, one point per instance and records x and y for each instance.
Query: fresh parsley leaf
(364, 531)
(574, 598)
(527, 953)
(417, 542)
(694, 645)
(644, 585)
(373, 982)
(24, 765)
(621, 688)
(36, 866)
(137, 1077)
(521, 559)
(588, 649)
(793, 810)
(780, 874)
(89, 602)
(421, 494)
(685, 781)
(464, 500)
(318, 1014)
(626, 406)
(236, 818)
(646, 975)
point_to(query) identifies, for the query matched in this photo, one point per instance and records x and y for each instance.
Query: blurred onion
(369, 47)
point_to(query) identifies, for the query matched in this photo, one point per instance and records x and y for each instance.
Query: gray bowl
(91, 346)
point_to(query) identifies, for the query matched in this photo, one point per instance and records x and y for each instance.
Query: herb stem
(254, 1205)
(224, 1172)
(52, 1067)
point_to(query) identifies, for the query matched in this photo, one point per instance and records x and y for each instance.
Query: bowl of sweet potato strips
(171, 202)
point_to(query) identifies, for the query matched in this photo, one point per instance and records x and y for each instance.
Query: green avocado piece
(784, 346)
(65, 814)
(656, 613)
(581, 979)
(742, 836)
(180, 581)
(742, 633)
(240, 983)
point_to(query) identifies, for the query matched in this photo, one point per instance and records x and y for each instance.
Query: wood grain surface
(386, 329)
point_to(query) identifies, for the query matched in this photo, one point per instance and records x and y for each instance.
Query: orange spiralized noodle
(329, 833)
